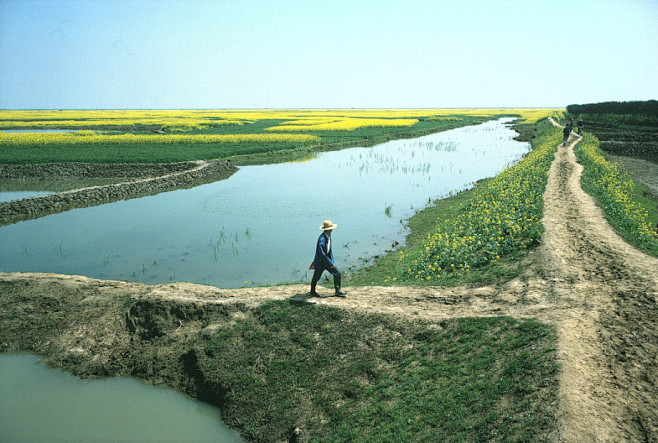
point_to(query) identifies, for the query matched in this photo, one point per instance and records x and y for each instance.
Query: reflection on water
(42, 404)
(7, 196)
(260, 225)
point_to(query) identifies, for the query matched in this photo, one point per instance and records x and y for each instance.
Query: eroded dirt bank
(152, 179)
(599, 292)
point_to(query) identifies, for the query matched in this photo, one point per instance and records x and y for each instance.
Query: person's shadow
(304, 299)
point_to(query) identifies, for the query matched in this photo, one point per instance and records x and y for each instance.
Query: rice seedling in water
(60, 250)
(387, 211)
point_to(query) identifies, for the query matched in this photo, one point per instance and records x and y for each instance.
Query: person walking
(566, 131)
(580, 126)
(324, 260)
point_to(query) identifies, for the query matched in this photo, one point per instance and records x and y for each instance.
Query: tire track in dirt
(598, 291)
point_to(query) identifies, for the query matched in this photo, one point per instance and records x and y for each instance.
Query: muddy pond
(38, 403)
(260, 226)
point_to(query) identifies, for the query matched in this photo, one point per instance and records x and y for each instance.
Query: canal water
(40, 404)
(260, 225)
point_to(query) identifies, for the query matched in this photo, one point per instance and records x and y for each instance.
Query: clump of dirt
(600, 293)
(54, 171)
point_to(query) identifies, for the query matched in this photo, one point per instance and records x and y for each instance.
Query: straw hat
(328, 225)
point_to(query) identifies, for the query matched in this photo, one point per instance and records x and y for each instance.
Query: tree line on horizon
(647, 107)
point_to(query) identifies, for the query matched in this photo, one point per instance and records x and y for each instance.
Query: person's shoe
(340, 293)
(313, 294)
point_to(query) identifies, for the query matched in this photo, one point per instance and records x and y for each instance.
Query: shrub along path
(599, 292)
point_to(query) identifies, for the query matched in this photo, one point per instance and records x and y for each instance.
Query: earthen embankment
(142, 179)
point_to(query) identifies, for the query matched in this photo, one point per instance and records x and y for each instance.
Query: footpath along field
(564, 350)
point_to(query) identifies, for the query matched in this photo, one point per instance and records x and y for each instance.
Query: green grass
(645, 198)
(338, 375)
(134, 153)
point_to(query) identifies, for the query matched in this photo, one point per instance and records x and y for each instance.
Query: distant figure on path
(566, 131)
(324, 260)
(580, 126)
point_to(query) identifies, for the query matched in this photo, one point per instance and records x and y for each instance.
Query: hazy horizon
(294, 54)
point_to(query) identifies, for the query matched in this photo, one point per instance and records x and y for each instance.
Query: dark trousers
(318, 273)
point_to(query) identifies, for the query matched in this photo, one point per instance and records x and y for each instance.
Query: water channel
(38, 403)
(260, 225)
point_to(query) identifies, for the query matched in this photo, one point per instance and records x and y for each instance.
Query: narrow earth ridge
(158, 178)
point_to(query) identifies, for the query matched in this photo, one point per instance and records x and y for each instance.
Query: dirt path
(607, 341)
(599, 292)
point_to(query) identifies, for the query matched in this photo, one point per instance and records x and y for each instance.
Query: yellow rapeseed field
(345, 124)
(196, 119)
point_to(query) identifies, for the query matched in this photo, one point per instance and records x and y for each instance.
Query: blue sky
(173, 54)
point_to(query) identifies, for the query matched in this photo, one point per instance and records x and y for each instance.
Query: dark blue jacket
(324, 256)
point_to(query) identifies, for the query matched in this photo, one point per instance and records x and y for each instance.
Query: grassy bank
(336, 375)
(281, 370)
(478, 235)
